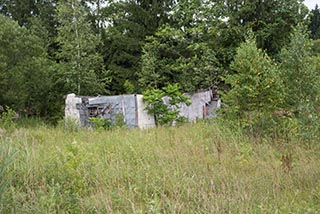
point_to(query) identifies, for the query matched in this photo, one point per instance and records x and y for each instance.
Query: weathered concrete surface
(131, 108)
(71, 110)
(145, 120)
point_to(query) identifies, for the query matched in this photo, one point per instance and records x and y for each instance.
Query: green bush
(164, 113)
(7, 118)
(100, 123)
(256, 89)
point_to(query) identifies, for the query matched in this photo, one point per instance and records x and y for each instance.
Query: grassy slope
(202, 168)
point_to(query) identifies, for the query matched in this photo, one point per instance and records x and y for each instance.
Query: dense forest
(257, 52)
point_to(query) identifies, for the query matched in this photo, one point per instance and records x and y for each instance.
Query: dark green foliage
(130, 23)
(314, 25)
(19, 10)
(172, 57)
(25, 71)
(164, 113)
(38, 15)
(181, 52)
(272, 22)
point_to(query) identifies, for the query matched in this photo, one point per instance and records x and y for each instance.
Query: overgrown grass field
(194, 168)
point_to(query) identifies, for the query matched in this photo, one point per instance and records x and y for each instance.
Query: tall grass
(199, 168)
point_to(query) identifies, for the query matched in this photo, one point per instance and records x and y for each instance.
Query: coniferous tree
(130, 22)
(181, 52)
(256, 86)
(314, 26)
(19, 10)
(272, 21)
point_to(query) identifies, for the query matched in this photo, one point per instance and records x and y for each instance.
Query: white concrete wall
(195, 110)
(71, 110)
(145, 120)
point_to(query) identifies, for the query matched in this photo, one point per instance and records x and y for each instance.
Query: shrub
(256, 89)
(165, 113)
(7, 118)
(100, 123)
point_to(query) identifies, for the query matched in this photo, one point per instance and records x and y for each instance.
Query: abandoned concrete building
(132, 109)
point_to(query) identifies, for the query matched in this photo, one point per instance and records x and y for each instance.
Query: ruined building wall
(145, 120)
(131, 109)
(71, 110)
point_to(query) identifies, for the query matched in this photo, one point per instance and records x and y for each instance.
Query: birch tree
(81, 66)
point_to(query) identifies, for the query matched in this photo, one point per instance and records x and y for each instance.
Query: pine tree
(314, 26)
(256, 86)
(272, 21)
(180, 52)
(130, 22)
